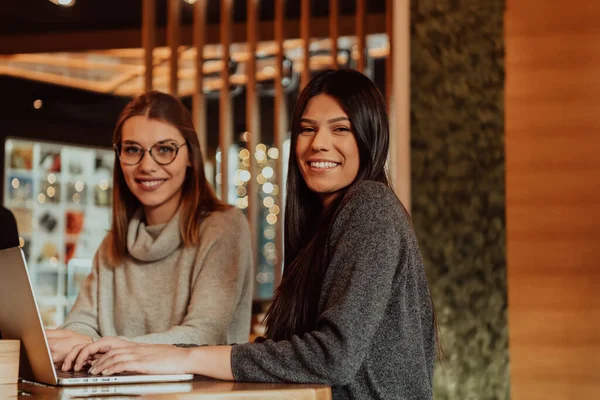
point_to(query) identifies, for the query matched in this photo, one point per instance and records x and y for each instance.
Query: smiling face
(326, 148)
(157, 187)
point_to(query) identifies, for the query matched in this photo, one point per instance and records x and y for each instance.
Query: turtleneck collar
(152, 243)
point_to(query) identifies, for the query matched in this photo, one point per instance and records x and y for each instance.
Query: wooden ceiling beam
(132, 38)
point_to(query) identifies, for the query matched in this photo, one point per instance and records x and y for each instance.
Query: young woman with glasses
(176, 266)
(353, 309)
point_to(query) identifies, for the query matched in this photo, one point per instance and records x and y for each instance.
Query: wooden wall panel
(553, 197)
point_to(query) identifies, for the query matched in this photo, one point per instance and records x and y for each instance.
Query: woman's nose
(147, 163)
(321, 141)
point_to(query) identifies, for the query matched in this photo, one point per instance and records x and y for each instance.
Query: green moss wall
(457, 127)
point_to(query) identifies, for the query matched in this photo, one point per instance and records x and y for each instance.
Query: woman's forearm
(211, 361)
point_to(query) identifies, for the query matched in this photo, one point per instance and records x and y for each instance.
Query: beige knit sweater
(167, 293)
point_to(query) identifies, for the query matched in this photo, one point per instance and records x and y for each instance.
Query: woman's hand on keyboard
(84, 354)
(62, 341)
(119, 356)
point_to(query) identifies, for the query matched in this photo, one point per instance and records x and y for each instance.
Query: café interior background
(457, 162)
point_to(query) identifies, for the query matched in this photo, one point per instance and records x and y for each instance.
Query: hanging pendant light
(64, 3)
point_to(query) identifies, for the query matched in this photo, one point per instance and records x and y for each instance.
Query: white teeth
(323, 164)
(151, 183)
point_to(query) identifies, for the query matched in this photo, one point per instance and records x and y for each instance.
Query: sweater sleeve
(83, 317)
(369, 248)
(222, 284)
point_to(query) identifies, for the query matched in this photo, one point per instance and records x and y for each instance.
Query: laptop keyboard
(72, 374)
(83, 373)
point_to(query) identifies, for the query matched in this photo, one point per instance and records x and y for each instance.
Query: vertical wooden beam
(252, 124)
(225, 111)
(360, 34)
(305, 36)
(198, 99)
(173, 27)
(400, 151)
(280, 127)
(148, 40)
(334, 30)
(389, 61)
(389, 89)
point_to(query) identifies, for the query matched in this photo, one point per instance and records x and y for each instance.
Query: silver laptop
(109, 391)
(20, 319)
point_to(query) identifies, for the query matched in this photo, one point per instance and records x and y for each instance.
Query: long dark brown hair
(198, 198)
(307, 224)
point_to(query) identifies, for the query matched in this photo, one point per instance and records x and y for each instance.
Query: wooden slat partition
(148, 39)
(252, 123)
(389, 61)
(198, 99)
(389, 90)
(552, 93)
(334, 30)
(225, 108)
(173, 27)
(280, 127)
(305, 36)
(360, 35)
(399, 163)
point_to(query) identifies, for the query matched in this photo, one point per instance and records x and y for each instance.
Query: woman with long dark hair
(353, 309)
(176, 265)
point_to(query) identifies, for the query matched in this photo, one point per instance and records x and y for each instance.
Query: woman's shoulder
(372, 202)
(373, 195)
(103, 251)
(230, 220)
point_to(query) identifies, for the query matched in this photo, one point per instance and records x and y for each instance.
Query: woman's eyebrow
(338, 119)
(159, 142)
(330, 121)
(166, 140)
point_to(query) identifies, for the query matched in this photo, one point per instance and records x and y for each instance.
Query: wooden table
(199, 388)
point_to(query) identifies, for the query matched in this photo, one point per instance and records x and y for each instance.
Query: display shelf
(46, 267)
(17, 204)
(18, 172)
(51, 190)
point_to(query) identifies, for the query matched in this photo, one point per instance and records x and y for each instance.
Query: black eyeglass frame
(117, 148)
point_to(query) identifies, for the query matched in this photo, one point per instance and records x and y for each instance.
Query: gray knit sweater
(167, 293)
(375, 335)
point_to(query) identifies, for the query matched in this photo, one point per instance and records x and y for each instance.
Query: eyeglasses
(162, 153)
